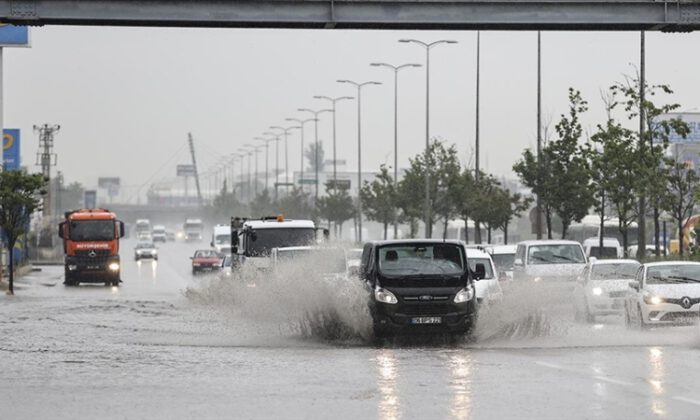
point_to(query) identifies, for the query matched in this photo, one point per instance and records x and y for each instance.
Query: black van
(420, 285)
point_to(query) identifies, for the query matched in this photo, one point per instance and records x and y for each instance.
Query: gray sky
(126, 97)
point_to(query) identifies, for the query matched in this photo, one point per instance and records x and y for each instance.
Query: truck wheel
(115, 283)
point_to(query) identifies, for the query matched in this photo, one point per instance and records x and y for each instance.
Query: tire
(115, 283)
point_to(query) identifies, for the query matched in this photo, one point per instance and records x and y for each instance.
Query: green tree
(336, 207)
(464, 193)
(263, 205)
(20, 196)
(683, 190)
(296, 205)
(379, 199)
(310, 155)
(506, 206)
(536, 174)
(567, 161)
(484, 199)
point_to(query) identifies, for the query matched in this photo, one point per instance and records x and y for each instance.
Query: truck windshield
(420, 259)
(92, 230)
(263, 240)
(223, 239)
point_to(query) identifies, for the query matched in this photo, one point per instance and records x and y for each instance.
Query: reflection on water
(152, 264)
(386, 380)
(460, 373)
(656, 380)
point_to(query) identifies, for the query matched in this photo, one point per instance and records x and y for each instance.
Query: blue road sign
(14, 36)
(10, 149)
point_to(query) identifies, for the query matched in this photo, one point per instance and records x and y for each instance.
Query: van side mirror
(479, 271)
(518, 261)
(121, 229)
(60, 229)
(634, 285)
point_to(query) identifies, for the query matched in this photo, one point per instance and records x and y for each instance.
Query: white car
(503, 257)
(664, 293)
(546, 261)
(602, 288)
(611, 248)
(488, 289)
(145, 250)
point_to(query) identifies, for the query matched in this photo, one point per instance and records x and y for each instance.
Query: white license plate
(426, 320)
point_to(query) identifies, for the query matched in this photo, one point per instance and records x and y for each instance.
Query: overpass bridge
(618, 15)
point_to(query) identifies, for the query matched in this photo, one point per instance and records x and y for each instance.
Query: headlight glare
(464, 295)
(385, 296)
(597, 291)
(114, 266)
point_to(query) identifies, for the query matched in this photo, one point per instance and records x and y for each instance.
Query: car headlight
(650, 299)
(537, 279)
(195, 264)
(385, 296)
(114, 266)
(597, 291)
(464, 295)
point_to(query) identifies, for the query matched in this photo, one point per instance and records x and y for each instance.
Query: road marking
(687, 400)
(612, 381)
(597, 377)
(550, 365)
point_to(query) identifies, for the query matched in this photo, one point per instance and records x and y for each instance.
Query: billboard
(14, 36)
(690, 118)
(185, 170)
(10, 149)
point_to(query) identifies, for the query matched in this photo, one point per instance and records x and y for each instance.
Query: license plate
(426, 320)
(93, 267)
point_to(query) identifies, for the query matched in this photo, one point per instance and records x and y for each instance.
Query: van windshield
(261, 241)
(420, 259)
(555, 254)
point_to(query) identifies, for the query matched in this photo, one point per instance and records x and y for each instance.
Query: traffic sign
(10, 149)
(307, 181)
(14, 36)
(185, 170)
(341, 184)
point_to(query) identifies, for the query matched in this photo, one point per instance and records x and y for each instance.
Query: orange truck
(91, 246)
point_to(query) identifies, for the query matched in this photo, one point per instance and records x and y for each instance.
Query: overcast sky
(127, 97)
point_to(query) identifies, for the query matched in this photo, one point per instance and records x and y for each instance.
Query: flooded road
(146, 350)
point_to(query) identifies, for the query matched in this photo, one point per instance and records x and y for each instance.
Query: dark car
(420, 286)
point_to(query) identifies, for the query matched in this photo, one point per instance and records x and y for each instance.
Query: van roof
(548, 242)
(274, 224)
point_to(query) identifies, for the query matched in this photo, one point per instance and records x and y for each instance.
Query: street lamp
(359, 87)
(333, 101)
(249, 153)
(277, 157)
(315, 112)
(267, 147)
(286, 131)
(301, 125)
(257, 150)
(396, 70)
(428, 47)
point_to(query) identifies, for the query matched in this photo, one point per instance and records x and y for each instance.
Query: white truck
(143, 230)
(159, 234)
(253, 240)
(221, 239)
(193, 229)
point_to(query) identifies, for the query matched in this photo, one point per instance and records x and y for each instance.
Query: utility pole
(46, 158)
(194, 165)
(538, 221)
(642, 238)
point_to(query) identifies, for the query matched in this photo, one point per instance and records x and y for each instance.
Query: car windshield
(607, 252)
(421, 259)
(92, 230)
(555, 254)
(263, 240)
(673, 274)
(614, 271)
(222, 239)
(144, 245)
(318, 260)
(205, 254)
(488, 274)
(503, 261)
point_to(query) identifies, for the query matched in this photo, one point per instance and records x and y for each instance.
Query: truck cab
(193, 229)
(91, 246)
(221, 239)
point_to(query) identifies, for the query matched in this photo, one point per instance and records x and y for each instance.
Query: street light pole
(333, 101)
(257, 150)
(301, 125)
(277, 158)
(286, 131)
(396, 70)
(267, 147)
(316, 164)
(359, 87)
(428, 47)
(249, 153)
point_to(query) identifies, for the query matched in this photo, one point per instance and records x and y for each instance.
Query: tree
(19, 198)
(444, 172)
(296, 205)
(336, 207)
(484, 198)
(464, 193)
(263, 204)
(225, 204)
(310, 155)
(506, 206)
(683, 190)
(379, 199)
(536, 174)
(572, 195)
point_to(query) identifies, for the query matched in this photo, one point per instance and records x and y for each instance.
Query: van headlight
(385, 296)
(464, 295)
(597, 291)
(114, 266)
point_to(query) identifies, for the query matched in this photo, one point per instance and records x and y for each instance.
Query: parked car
(611, 248)
(664, 293)
(503, 257)
(205, 260)
(145, 250)
(602, 288)
(549, 261)
(420, 285)
(487, 288)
